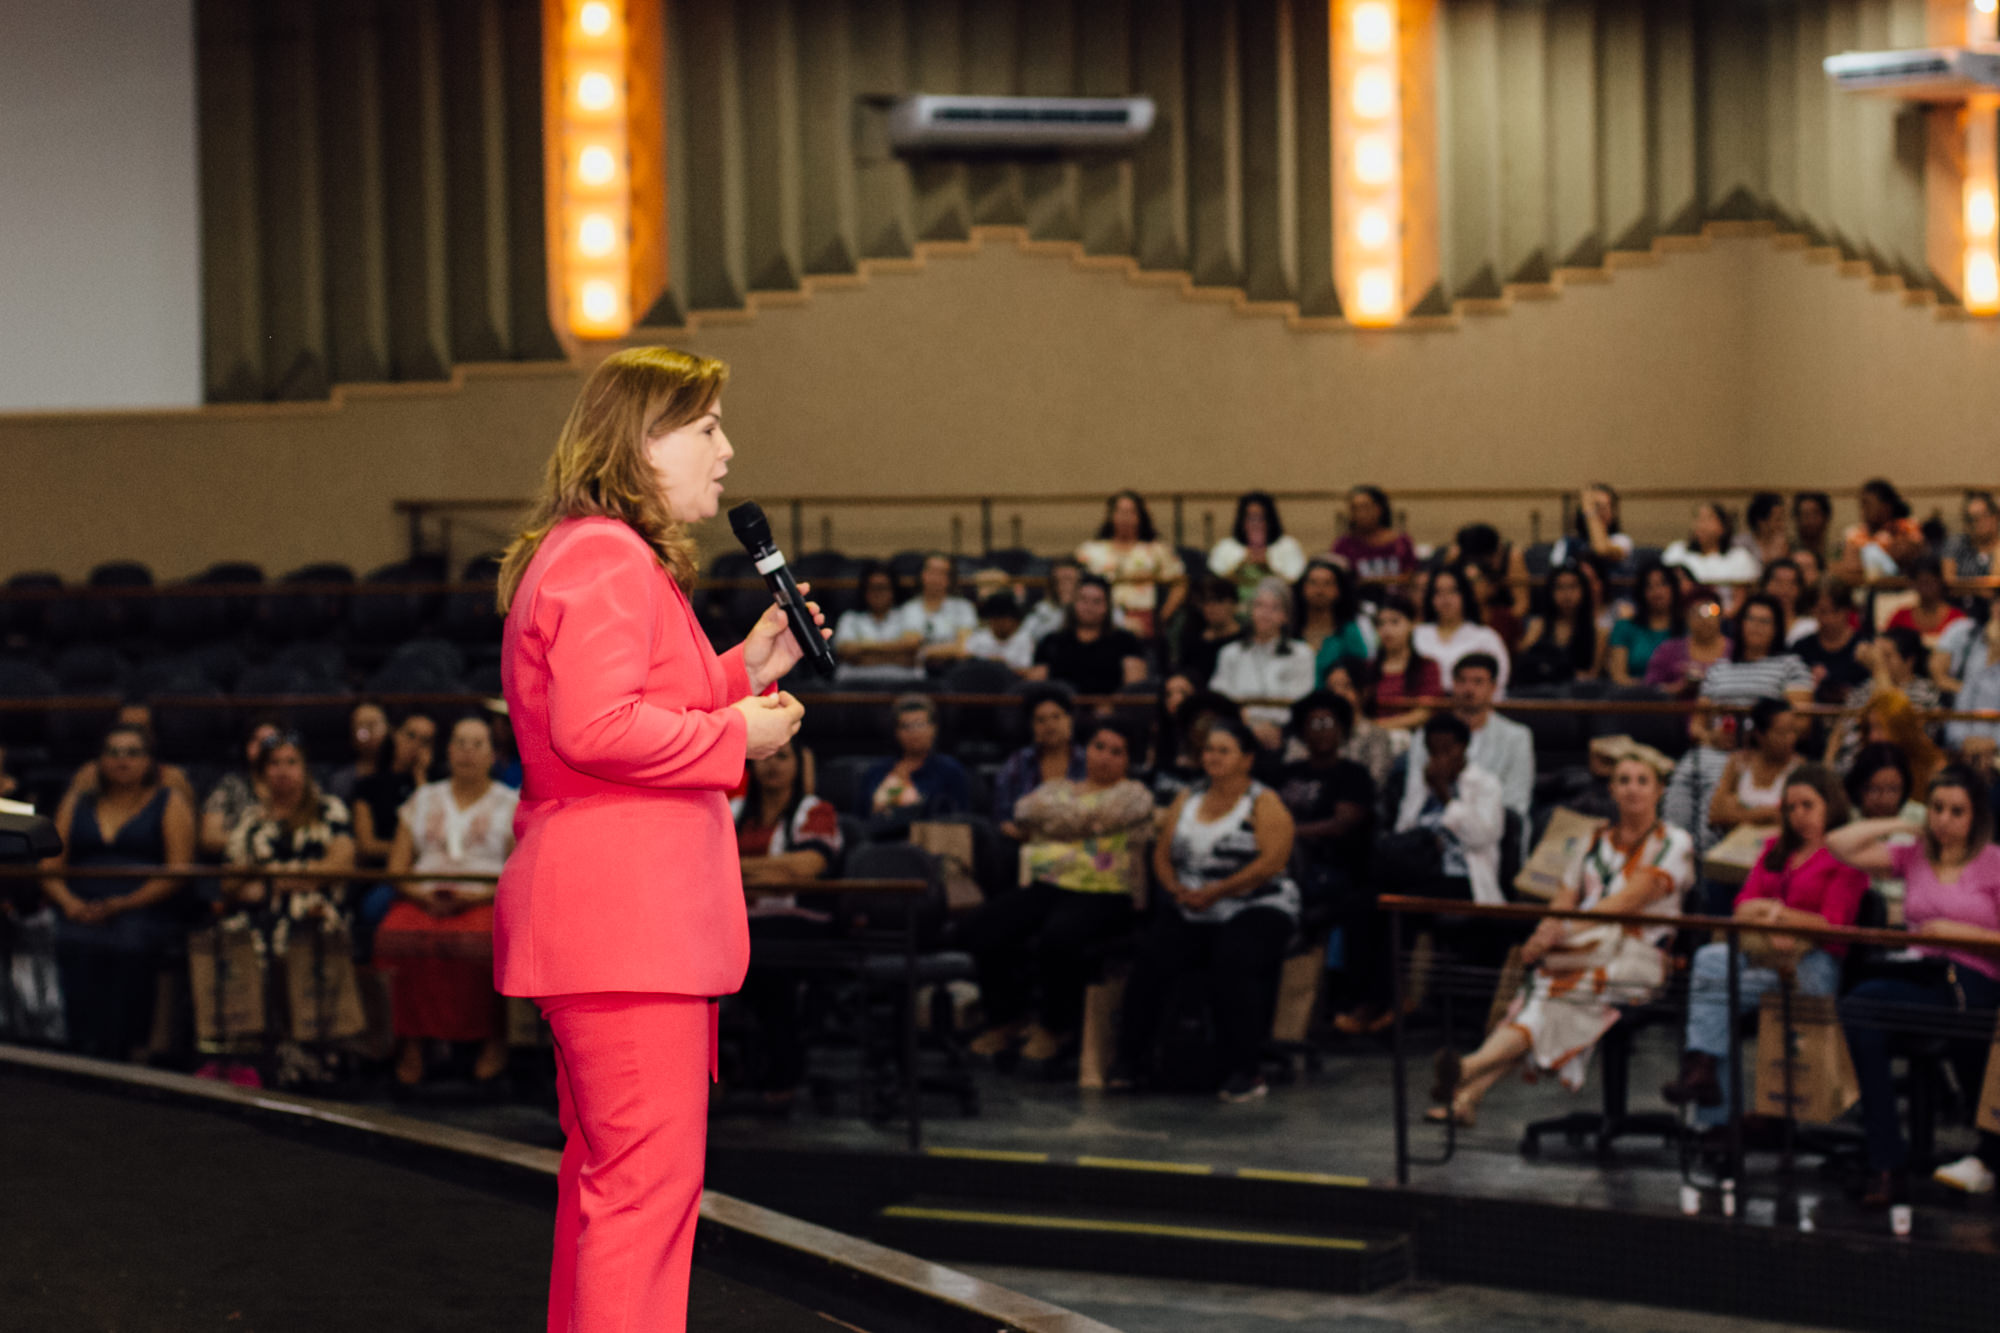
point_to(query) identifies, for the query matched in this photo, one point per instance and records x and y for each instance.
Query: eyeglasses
(124, 752)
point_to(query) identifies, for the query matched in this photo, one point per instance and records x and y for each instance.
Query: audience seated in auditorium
(1452, 626)
(1446, 843)
(368, 728)
(1401, 674)
(1147, 580)
(1931, 614)
(1782, 582)
(135, 713)
(236, 793)
(1375, 748)
(1766, 531)
(1562, 642)
(1266, 664)
(1582, 974)
(1893, 660)
(875, 641)
(1257, 548)
(292, 826)
(1230, 908)
(1752, 786)
(1709, 553)
(1051, 754)
(1090, 654)
(1180, 737)
(1045, 617)
(1331, 620)
(1761, 667)
(1952, 879)
(1500, 571)
(1812, 569)
(1332, 802)
(941, 621)
(784, 835)
(1884, 540)
(1796, 881)
(1878, 786)
(437, 942)
(1812, 526)
(920, 783)
(1596, 529)
(1216, 620)
(112, 935)
(1657, 616)
(1084, 861)
(1970, 554)
(1830, 652)
(378, 797)
(1974, 666)
(1001, 636)
(1376, 550)
(1498, 746)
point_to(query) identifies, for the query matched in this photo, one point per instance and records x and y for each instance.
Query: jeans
(1711, 1027)
(1242, 955)
(1869, 1013)
(1039, 943)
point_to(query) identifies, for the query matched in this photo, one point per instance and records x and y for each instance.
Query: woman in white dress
(1266, 664)
(438, 938)
(1583, 973)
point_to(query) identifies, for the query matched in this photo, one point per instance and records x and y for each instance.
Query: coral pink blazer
(624, 875)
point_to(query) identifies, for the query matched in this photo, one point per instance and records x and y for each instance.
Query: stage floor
(127, 1213)
(1337, 1121)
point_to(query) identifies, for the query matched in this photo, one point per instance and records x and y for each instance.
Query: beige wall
(1003, 370)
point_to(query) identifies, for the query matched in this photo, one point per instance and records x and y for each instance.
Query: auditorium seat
(825, 569)
(978, 733)
(91, 668)
(117, 620)
(307, 615)
(377, 619)
(184, 621)
(20, 729)
(32, 623)
(420, 666)
(1014, 560)
(473, 617)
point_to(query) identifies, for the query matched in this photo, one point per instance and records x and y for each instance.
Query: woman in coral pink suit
(621, 910)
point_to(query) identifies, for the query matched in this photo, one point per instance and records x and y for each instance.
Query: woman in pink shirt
(1951, 879)
(1798, 882)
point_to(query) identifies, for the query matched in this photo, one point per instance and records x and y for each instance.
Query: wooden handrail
(1894, 939)
(813, 886)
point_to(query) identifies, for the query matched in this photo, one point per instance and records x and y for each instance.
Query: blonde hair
(599, 467)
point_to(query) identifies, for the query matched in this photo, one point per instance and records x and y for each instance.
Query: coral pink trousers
(632, 1074)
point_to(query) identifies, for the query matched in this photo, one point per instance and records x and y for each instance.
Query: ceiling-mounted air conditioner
(1925, 74)
(933, 122)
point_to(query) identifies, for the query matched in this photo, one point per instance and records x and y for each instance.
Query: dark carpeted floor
(122, 1215)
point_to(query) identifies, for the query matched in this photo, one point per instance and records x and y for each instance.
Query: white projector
(932, 122)
(1924, 74)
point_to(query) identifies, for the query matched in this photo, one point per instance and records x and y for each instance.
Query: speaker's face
(689, 465)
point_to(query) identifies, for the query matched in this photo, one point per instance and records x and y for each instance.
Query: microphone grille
(747, 521)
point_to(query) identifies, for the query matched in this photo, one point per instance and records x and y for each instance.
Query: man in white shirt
(1502, 748)
(1460, 802)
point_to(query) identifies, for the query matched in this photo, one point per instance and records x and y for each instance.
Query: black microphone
(754, 531)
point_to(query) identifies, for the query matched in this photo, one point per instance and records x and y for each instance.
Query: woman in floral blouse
(1148, 581)
(1084, 863)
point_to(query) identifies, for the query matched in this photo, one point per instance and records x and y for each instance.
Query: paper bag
(226, 978)
(322, 995)
(1606, 751)
(1568, 831)
(1298, 992)
(952, 845)
(1730, 861)
(1988, 1118)
(1101, 1001)
(1823, 1082)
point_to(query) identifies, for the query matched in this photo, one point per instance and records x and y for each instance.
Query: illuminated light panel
(1368, 159)
(1373, 229)
(1373, 23)
(1374, 160)
(1986, 6)
(597, 165)
(1374, 94)
(596, 91)
(1375, 292)
(596, 187)
(1980, 215)
(596, 236)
